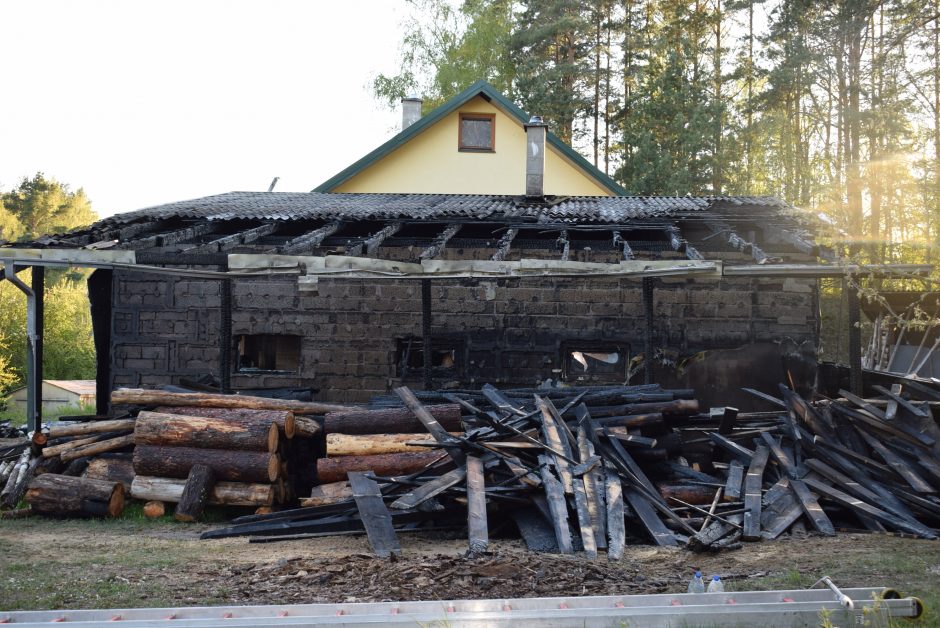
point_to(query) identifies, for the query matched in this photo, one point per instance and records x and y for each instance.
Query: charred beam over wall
(236, 239)
(373, 242)
(681, 245)
(100, 289)
(440, 242)
(170, 238)
(502, 247)
(739, 243)
(620, 241)
(310, 240)
(565, 244)
(426, 333)
(150, 258)
(225, 333)
(648, 335)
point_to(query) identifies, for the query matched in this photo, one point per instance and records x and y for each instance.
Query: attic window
(605, 363)
(268, 352)
(477, 132)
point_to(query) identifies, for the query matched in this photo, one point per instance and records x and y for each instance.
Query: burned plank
(850, 502)
(806, 499)
(553, 438)
(619, 240)
(432, 488)
(899, 466)
(431, 424)
(615, 515)
(780, 509)
(595, 500)
(502, 247)
(735, 479)
(477, 532)
(657, 530)
(558, 509)
(310, 240)
(536, 531)
(375, 517)
(897, 400)
(752, 494)
(240, 238)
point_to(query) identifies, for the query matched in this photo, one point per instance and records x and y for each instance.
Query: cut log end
(290, 425)
(273, 434)
(116, 503)
(274, 468)
(154, 509)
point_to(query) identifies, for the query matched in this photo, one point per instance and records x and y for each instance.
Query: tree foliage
(832, 106)
(45, 206)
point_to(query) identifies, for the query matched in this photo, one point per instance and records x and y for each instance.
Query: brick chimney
(410, 111)
(535, 132)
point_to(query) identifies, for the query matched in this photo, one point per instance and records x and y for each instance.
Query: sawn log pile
(569, 469)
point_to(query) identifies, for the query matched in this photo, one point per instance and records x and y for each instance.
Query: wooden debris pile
(592, 469)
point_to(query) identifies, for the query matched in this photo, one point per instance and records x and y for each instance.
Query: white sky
(142, 103)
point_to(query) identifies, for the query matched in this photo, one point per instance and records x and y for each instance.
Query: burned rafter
(619, 240)
(502, 247)
(565, 243)
(169, 238)
(372, 243)
(739, 243)
(310, 240)
(440, 242)
(681, 245)
(236, 239)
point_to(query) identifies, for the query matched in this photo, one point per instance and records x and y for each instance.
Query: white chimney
(535, 132)
(410, 111)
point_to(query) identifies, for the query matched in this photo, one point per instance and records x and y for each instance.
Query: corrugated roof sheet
(313, 205)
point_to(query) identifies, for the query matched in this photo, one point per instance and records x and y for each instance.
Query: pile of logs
(593, 469)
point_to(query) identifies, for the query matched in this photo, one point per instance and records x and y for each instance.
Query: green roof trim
(479, 88)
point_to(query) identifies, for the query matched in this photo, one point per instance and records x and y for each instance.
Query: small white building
(58, 393)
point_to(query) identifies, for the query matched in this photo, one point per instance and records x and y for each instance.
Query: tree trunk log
(93, 449)
(92, 427)
(247, 434)
(64, 496)
(223, 493)
(335, 469)
(393, 420)
(327, 494)
(54, 450)
(305, 427)
(141, 397)
(283, 418)
(112, 470)
(11, 492)
(375, 444)
(232, 466)
(196, 492)
(154, 509)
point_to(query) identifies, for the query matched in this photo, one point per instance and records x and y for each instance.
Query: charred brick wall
(507, 331)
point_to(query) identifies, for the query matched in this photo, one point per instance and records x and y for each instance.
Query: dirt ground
(128, 563)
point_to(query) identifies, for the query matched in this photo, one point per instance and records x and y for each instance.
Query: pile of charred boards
(570, 469)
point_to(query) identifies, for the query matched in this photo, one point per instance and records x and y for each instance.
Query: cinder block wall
(512, 331)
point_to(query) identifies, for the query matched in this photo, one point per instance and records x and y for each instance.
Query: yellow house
(473, 144)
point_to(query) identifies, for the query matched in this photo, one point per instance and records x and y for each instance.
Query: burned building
(351, 294)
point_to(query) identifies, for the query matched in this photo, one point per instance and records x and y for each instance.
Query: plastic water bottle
(697, 584)
(716, 585)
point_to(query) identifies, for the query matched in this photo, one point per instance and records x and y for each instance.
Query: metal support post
(34, 316)
(648, 340)
(100, 289)
(426, 332)
(225, 335)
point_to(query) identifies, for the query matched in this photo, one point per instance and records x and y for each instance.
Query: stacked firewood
(592, 469)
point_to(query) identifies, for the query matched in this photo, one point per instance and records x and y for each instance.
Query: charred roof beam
(565, 243)
(440, 242)
(373, 242)
(170, 238)
(310, 240)
(619, 240)
(739, 243)
(502, 247)
(236, 239)
(681, 245)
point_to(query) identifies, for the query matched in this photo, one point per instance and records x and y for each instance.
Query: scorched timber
(222, 494)
(196, 493)
(248, 434)
(232, 466)
(283, 418)
(64, 496)
(112, 470)
(142, 397)
(394, 420)
(335, 469)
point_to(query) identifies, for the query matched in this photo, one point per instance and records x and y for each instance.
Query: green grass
(17, 416)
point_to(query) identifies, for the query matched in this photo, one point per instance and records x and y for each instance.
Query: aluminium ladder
(805, 607)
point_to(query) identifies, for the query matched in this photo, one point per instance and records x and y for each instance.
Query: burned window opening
(446, 358)
(605, 363)
(268, 353)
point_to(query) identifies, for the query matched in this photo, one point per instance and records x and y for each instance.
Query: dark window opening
(446, 356)
(605, 363)
(268, 352)
(477, 132)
